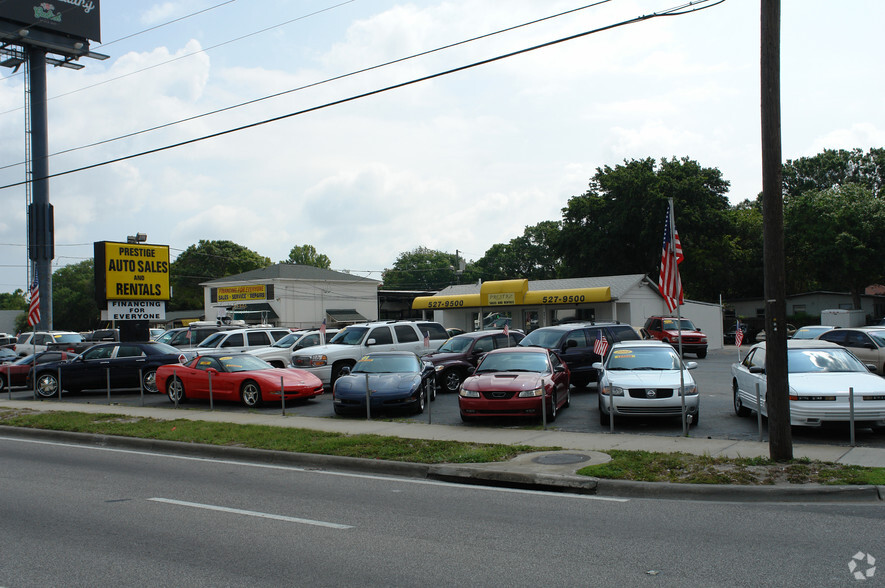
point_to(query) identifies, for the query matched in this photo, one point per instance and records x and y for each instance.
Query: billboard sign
(134, 310)
(129, 271)
(241, 293)
(78, 18)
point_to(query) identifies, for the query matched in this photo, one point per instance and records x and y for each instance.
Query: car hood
(685, 332)
(441, 356)
(647, 378)
(379, 384)
(324, 349)
(291, 377)
(511, 381)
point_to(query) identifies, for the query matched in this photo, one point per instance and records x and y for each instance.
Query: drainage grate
(561, 458)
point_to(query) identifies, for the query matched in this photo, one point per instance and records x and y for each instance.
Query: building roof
(619, 285)
(290, 271)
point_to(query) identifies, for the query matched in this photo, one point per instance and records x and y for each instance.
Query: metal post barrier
(34, 369)
(8, 382)
(108, 374)
(175, 380)
(611, 411)
(141, 385)
(59, 383)
(283, 395)
(544, 408)
(368, 400)
(759, 410)
(429, 412)
(851, 413)
(211, 401)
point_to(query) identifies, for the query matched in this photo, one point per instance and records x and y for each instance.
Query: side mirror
(370, 342)
(690, 365)
(757, 370)
(597, 365)
(569, 344)
(345, 371)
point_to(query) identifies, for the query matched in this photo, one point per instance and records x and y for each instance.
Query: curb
(739, 493)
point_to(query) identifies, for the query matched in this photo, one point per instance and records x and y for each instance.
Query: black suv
(457, 356)
(574, 343)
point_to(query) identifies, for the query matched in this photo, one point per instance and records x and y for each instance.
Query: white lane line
(252, 513)
(313, 470)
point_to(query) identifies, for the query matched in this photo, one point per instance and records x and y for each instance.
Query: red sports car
(512, 382)
(15, 374)
(240, 377)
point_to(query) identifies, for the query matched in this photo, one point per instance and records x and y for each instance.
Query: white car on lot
(645, 379)
(30, 342)
(820, 375)
(280, 353)
(354, 341)
(238, 340)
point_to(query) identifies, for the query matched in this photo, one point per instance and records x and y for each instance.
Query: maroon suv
(669, 329)
(461, 353)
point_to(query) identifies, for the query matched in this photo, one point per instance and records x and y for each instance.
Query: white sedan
(820, 375)
(644, 379)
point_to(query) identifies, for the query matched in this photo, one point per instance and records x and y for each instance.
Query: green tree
(421, 269)
(533, 255)
(744, 277)
(617, 226)
(73, 298)
(835, 167)
(835, 235)
(307, 255)
(208, 260)
(13, 301)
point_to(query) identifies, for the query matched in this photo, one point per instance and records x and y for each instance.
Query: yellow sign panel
(240, 293)
(502, 298)
(569, 296)
(136, 272)
(445, 302)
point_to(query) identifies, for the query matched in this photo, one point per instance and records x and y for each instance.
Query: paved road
(713, 376)
(95, 516)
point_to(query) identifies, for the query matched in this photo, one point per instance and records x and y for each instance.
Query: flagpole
(672, 224)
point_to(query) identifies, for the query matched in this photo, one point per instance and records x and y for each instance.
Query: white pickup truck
(31, 342)
(280, 353)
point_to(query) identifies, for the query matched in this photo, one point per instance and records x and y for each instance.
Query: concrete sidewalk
(546, 468)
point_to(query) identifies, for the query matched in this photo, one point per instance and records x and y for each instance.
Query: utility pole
(780, 444)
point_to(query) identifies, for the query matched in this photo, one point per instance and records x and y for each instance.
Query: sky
(459, 162)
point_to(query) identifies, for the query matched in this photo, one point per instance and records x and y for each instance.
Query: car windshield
(349, 336)
(542, 338)
(68, 338)
(513, 362)
(810, 332)
(166, 337)
(387, 364)
(212, 340)
(632, 358)
(26, 360)
(670, 325)
(244, 362)
(287, 341)
(456, 345)
(801, 361)
(878, 337)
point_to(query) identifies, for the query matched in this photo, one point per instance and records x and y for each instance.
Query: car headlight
(318, 360)
(465, 393)
(613, 390)
(531, 393)
(691, 389)
(439, 368)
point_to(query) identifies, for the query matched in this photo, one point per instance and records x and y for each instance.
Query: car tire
(3, 383)
(568, 398)
(422, 401)
(702, 354)
(603, 417)
(250, 394)
(739, 408)
(47, 385)
(336, 370)
(551, 414)
(696, 418)
(149, 381)
(430, 389)
(580, 382)
(451, 380)
(175, 388)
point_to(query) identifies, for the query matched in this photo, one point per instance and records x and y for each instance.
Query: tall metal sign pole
(777, 393)
(41, 236)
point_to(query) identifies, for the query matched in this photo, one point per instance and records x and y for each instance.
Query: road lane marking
(252, 513)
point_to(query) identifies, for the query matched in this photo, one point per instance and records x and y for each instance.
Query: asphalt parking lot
(717, 418)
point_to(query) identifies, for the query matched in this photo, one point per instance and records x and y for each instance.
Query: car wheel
(551, 416)
(430, 389)
(175, 391)
(336, 370)
(277, 364)
(580, 382)
(2, 382)
(250, 394)
(451, 380)
(47, 385)
(696, 418)
(568, 398)
(739, 408)
(702, 354)
(422, 400)
(149, 381)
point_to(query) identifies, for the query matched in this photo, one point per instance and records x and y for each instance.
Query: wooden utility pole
(780, 444)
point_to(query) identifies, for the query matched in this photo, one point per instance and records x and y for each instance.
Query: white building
(290, 295)
(529, 304)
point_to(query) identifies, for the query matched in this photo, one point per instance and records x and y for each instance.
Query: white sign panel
(135, 310)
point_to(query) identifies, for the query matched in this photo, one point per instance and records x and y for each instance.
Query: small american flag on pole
(669, 283)
(427, 339)
(738, 334)
(600, 346)
(34, 306)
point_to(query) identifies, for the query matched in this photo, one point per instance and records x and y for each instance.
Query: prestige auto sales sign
(129, 271)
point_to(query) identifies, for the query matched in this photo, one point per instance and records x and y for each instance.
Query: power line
(682, 9)
(315, 84)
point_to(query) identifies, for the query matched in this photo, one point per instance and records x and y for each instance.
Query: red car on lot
(239, 377)
(15, 374)
(512, 382)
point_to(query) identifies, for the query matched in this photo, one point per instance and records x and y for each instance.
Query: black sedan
(116, 364)
(394, 379)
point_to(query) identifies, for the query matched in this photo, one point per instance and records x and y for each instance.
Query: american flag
(427, 339)
(738, 334)
(600, 346)
(669, 283)
(506, 330)
(323, 328)
(34, 306)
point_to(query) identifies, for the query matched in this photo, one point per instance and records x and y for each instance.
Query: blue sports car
(397, 380)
